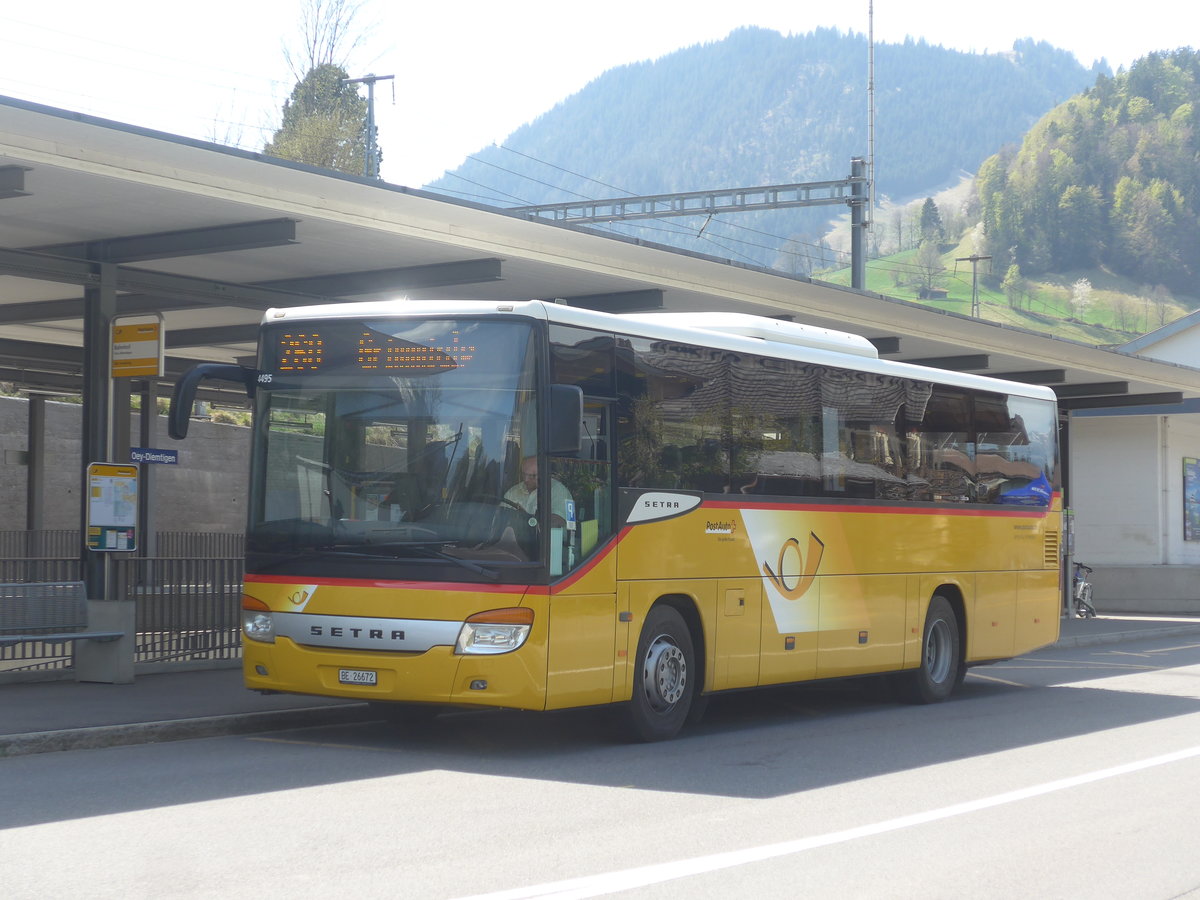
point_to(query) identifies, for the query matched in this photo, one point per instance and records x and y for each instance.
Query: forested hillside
(1110, 178)
(760, 108)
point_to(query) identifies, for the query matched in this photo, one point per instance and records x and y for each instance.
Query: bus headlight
(257, 622)
(495, 631)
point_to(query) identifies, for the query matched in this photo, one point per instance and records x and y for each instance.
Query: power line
(568, 172)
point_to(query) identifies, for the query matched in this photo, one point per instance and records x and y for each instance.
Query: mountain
(760, 108)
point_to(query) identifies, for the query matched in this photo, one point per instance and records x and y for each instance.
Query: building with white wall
(1135, 490)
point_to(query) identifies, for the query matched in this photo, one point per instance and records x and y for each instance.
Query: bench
(48, 612)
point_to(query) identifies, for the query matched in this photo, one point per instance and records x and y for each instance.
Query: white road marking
(629, 879)
(995, 680)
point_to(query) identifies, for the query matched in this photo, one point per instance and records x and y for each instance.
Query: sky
(468, 73)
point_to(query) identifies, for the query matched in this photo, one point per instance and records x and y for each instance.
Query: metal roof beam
(210, 293)
(1094, 389)
(12, 181)
(1041, 376)
(167, 292)
(626, 301)
(66, 359)
(218, 334)
(886, 344)
(44, 267)
(1128, 400)
(970, 362)
(186, 242)
(378, 281)
(43, 354)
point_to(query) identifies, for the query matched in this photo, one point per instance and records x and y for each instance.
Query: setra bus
(734, 501)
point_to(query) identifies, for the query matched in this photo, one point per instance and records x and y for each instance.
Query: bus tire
(664, 677)
(941, 668)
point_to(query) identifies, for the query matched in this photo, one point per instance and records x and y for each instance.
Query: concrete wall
(205, 492)
(1157, 590)
(1127, 496)
(1115, 491)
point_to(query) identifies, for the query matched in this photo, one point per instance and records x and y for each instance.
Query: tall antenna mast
(870, 113)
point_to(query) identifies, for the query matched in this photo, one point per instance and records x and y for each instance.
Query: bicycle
(1081, 592)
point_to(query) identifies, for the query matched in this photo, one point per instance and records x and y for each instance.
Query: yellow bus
(734, 501)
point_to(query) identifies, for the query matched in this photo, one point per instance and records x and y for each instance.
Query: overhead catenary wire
(782, 248)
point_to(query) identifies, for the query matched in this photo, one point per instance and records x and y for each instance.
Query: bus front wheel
(941, 668)
(664, 679)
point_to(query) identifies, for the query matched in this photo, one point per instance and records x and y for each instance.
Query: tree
(1013, 285)
(324, 119)
(1106, 179)
(929, 262)
(1079, 239)
(931, 222)
(794, 257)
(324, 123)
(1081, 296)
(1162, 303)
(329, 33)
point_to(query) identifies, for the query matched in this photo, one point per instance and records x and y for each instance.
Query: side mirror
(183, 398)
(566, 419)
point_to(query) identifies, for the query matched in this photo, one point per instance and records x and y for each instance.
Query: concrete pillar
(109, 662)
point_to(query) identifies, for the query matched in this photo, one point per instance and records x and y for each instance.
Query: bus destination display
(358, 348)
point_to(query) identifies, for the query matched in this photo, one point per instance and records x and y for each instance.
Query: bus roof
(740, 332)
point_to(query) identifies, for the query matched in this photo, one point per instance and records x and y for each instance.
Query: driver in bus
(524, 493)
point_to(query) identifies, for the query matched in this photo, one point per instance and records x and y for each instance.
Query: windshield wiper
(490, 574)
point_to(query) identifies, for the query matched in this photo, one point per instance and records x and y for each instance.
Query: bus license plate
(357, 676)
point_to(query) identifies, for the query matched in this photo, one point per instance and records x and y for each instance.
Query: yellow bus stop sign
(137, 348)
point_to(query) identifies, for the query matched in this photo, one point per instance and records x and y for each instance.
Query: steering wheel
(497, 500)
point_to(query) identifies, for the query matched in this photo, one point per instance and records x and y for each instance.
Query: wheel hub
(938, 651)
(664, 673)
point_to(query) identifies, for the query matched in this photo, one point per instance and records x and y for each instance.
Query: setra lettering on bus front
(373, 634)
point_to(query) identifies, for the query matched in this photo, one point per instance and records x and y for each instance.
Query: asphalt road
(1069, 773)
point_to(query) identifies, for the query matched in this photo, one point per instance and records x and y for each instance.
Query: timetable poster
(1191, 499)
(112, 507)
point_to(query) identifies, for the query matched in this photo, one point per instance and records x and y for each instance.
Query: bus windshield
(393, 440)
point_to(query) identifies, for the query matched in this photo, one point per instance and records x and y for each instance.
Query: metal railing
(187, 609)
(65, 543)
(200, 545)
(60, 542)
(188, 603)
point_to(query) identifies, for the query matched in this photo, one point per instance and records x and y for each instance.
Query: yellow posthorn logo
(808, 567)
(299, 598)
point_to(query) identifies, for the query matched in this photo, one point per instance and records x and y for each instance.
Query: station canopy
(210, 237)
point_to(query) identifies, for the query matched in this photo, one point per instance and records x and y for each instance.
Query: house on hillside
(1134, 489)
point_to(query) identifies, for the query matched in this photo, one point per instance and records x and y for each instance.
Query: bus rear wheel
(664, 679)
(941, 668)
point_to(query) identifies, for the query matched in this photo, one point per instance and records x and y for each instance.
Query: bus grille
(1051, 549)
